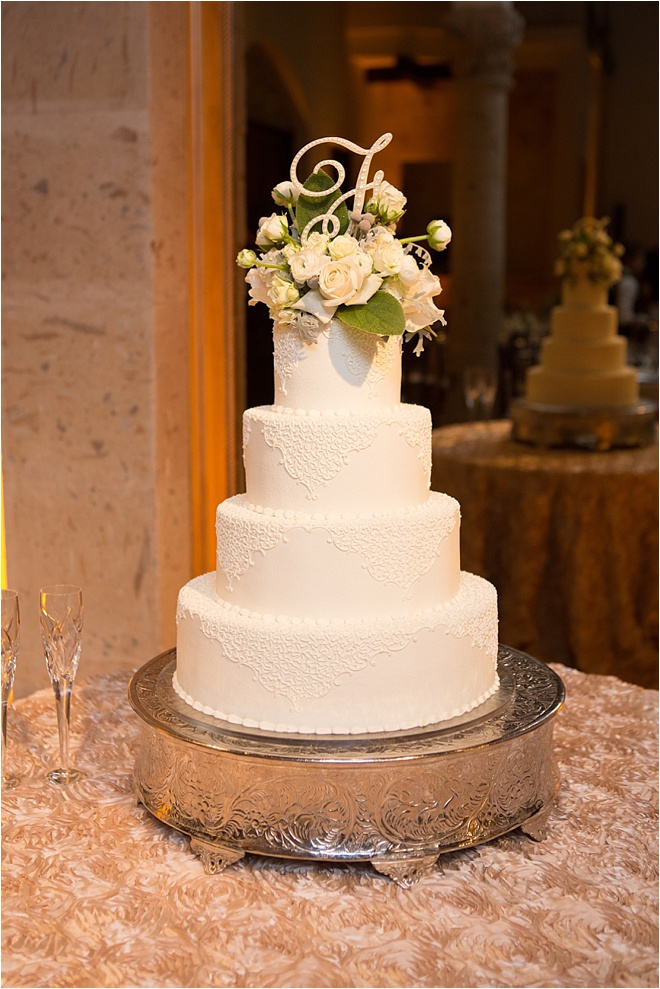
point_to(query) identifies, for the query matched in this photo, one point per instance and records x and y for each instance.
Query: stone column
(484, 36)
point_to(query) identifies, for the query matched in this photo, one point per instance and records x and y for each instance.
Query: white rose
(387, 257)
(415, 289)
(258, 282)
(347, 283)
(318, 242)
(307, 264)
(285, 194)
(342, 246)
(290, 249)
(282, 292)
(273, 230)
(389, 203)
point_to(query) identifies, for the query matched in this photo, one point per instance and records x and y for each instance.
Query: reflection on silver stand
(397, 800)
(585, 429)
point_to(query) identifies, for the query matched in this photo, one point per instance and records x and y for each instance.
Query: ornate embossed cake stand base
(398, 800)
(586, 429)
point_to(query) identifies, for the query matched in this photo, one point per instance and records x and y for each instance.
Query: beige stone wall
(95, 309)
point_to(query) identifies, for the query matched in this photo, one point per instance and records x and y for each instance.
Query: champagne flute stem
(4, 730)
(62, 687)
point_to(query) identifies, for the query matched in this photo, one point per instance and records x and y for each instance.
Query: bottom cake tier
(331, 677)
(611, 389)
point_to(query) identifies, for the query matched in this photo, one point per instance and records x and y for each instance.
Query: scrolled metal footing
(406, 871)
(215, 858)
(398, 800)
(536, 827)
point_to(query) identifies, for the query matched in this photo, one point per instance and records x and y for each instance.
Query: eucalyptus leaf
(307, 208)
(382, 314)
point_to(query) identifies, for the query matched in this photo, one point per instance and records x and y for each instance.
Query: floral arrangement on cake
(320, 259)
(588, 251)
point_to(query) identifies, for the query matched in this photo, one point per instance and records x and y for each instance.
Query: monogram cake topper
(320, 260)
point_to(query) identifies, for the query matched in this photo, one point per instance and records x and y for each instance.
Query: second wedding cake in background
(338, 605)
(583, 361)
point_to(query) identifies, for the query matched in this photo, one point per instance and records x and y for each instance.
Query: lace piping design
(397, 548)
(288, 350)
(299, 438)
(369, 358)
(305, 659)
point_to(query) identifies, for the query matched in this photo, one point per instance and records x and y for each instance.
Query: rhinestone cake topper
(321, 261)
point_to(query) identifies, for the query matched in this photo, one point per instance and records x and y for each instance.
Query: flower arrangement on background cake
(320, 259)
(588, 251)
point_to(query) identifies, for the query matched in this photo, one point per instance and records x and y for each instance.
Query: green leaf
(307, 207)
(382, 314)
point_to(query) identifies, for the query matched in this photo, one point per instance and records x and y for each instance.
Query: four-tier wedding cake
(583, 361)
(338, 605)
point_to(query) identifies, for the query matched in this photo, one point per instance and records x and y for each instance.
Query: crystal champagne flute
(61, 632)
(471, 390)
(487, 393)
(11, 628)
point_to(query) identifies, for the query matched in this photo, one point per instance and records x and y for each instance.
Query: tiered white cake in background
(338, 605)
(583, 361)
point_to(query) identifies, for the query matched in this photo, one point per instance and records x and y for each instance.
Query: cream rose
(346, 282)
(343, 246)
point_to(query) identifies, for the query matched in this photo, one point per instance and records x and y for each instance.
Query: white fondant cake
(583, 361)
(338, 604)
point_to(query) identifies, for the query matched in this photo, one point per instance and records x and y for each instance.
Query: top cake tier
(338, 369)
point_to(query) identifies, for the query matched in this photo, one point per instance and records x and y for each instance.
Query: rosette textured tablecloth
(98, 893)
(568, 538)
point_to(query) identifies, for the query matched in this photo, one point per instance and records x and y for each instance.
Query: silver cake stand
(586, 429)
(398, 800)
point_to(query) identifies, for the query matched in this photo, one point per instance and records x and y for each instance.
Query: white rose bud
(285, 194)
(439, 234)
(273, 230)
(282, 292)
(246, 259)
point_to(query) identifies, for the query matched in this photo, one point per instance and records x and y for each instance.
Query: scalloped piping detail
(329, 729)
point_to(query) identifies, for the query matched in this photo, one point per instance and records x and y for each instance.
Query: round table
(568, 538)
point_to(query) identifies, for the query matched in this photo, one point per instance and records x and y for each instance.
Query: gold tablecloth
(570, 540)
(98, 893)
